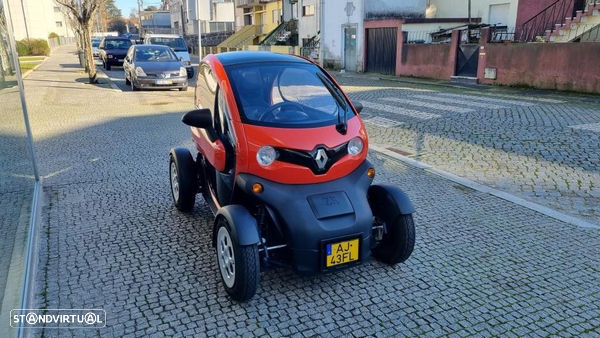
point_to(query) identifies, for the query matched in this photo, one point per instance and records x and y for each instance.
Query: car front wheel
(398, 242)
(239, 265)
(127, 82)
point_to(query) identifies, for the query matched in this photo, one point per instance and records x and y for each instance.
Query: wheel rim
(174, 182)
(226, 257)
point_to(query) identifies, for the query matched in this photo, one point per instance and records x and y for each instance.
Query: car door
(128, 63)
(206, 140)
(101, 51)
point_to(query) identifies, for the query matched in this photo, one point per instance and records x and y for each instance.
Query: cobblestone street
(544, 149)
(111, 238)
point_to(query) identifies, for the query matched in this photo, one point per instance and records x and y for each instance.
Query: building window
(57, 9)
(58, 23)
(308, 10)
(275, 16)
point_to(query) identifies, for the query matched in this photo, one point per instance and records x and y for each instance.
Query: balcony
(251, 3)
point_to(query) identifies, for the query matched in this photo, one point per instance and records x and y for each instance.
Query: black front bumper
(312, 216)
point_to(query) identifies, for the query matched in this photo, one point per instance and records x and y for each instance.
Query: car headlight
(182, 71)
(355, 146)
(266, 155)
(110, 56)
(139, 71)
(187, 63)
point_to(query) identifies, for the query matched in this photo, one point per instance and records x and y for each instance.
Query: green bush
(22, 49)
(36, 47)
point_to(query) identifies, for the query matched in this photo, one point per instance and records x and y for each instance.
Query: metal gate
(381, 50)
(468, 54)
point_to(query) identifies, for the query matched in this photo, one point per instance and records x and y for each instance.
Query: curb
(34, 68)
(100, 73)
(488, 190)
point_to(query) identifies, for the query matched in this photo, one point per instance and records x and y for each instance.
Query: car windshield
(117, 44)
(154, 54)
(289, 95)
(178, 44)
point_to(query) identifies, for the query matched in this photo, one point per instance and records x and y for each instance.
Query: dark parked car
(113, 50)
(154, 67)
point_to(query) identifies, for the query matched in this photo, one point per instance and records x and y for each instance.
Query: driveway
(111, 238)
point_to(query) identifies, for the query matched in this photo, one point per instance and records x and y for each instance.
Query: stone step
(464, 79)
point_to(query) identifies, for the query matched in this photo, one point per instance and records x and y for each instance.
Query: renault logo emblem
(163, 75)
(321, 158)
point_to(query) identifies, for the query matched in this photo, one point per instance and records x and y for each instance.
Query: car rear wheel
(133, 87)
(183, 178)
(398, 242)
(239, 265)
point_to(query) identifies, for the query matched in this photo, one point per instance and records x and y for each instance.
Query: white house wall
(307, 25)
(479, 9)
(332, 34)
(41, 19)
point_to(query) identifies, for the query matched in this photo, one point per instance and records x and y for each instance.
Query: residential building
(36, 19)
(215, 16)
(157, 22)
(255, 19)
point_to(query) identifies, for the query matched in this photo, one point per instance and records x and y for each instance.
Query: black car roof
(231, 58)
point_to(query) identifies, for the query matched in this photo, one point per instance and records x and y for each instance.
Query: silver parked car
(154, 67)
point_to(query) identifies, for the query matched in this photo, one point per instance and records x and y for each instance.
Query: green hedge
(33, 47)
(22, 49)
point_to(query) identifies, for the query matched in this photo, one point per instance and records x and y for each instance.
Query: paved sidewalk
(543, 148)
(111, 239)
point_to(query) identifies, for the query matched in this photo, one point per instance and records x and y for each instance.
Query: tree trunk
(89, 57)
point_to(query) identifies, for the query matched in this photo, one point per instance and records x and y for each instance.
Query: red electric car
(282, 163)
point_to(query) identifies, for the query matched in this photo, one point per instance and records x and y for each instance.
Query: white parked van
(177, 44)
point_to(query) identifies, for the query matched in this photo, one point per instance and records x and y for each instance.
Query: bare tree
(83, 14)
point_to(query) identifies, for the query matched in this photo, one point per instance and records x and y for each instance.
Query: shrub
(37, 47)
(22, 49)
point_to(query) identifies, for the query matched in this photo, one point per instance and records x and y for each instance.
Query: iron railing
(427, 37)
(535, 29)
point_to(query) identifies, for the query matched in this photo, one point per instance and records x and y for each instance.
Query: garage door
(381, 50)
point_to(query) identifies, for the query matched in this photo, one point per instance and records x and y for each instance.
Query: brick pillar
(399, 43)
(486, 37)
(454, 42)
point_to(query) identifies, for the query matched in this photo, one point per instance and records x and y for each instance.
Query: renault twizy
(282, 163)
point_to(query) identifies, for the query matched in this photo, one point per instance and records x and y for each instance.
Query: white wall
(332, 40)
(479, 9)
(41, 19)
(307, 25)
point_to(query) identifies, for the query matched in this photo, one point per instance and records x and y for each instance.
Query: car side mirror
(199, 118)
(358, 106)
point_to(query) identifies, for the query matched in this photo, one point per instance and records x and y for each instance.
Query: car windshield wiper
(342, 125)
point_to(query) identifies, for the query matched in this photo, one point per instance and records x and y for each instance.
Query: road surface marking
(463, 102)
(400, 111)
(421, 103)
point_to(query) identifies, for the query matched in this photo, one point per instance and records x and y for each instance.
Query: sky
(126, 5)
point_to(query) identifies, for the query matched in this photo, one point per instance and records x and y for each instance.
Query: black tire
(183, 89)
(399, 241)
(107, 66)
(247, 266)
(103, 64)
(133, 87)
(127, 82)
(182, 163)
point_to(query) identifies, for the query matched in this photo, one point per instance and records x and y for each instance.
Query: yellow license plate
(342, 252)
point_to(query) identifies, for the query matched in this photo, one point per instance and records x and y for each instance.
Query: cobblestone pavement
(111, 239)
(544, 149)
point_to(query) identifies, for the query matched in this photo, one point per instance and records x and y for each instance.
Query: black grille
(307, 159)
